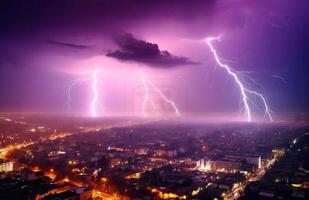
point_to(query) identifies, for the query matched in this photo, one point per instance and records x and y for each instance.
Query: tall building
(6, 166)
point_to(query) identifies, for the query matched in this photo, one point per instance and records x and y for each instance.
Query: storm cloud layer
(132, 49)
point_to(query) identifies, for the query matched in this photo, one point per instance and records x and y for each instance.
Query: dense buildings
(288, 178)
(138, 159)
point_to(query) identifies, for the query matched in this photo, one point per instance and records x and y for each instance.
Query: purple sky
(45, 45)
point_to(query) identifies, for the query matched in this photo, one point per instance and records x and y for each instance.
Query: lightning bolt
(69, 90)
(69, 97)
(172, 103)
(280, 78)
(94, 100)
(147, 98)
(243, 90)
(94, 82)
(146, 94)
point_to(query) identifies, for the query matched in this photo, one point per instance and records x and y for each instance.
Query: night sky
(45, 45)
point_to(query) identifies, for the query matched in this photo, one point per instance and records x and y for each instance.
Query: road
(237, 190)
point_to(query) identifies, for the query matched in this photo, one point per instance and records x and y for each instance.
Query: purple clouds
(132, 49)
(70, 45)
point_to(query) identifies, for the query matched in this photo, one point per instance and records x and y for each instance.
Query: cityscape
(63, 158)
(152, 100)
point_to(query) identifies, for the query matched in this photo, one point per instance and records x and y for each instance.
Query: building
(6, 166)
(204, 165)
(254, 160)
(226, 165)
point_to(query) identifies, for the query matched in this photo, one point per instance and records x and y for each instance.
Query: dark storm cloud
(70, 45)
(132, 49)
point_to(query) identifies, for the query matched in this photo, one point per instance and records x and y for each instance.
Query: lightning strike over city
(94, 92)
(127, 100)
(166, 99)
(69, 91)
(243, 90)
(148, 99)
(95, 96)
